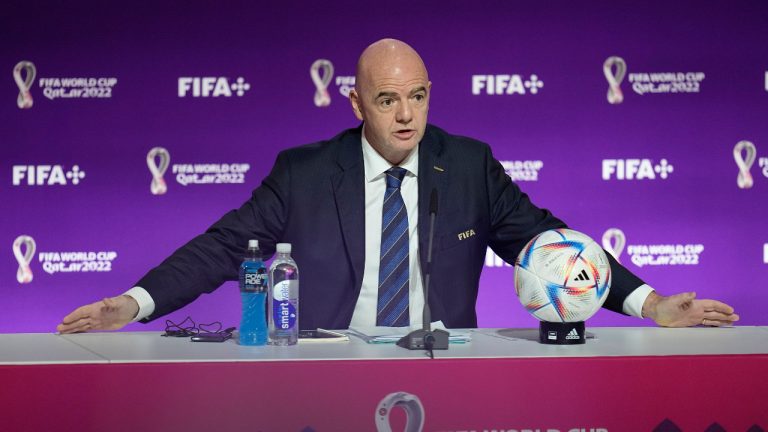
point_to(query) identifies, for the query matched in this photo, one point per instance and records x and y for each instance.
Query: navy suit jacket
(314, 199)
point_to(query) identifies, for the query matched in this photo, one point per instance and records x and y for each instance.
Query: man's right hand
(108, 314)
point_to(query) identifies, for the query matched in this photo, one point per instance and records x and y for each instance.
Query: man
(356, 210)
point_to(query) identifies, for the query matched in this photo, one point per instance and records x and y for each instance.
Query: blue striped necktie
(392, 309)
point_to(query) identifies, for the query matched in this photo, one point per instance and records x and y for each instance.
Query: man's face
(392, 98)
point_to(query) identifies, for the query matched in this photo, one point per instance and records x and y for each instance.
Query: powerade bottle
(253, 292)
(284, 298)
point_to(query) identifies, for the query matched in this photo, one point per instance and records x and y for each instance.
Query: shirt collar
(376, 165)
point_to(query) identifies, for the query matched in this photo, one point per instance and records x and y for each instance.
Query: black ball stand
(569, 333)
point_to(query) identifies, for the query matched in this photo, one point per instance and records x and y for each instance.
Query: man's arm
(212, 258)
(518, 220)
(198, 267)
(515, 220)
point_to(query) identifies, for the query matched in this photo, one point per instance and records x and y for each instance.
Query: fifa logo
(322, 97)
(24, 273)
(506, 84)
(46, 175)
(466, 234)
(614, 241)
(211, 87)
(744, 179)
(24, 101)
(615, 96)
(636, 169)
(158, 186)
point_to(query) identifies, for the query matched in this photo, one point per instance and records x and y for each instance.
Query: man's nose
(404, 113)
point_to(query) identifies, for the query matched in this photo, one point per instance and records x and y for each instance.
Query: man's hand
(109, 314)
(683, 310)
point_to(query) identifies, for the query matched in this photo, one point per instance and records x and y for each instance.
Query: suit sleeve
(515, 220)
(214, 257)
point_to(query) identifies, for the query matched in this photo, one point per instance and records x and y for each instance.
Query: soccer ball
(562, 275)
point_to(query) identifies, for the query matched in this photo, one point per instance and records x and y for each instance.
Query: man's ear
(354, 99)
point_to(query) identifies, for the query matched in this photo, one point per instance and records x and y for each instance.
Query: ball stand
(567, 333)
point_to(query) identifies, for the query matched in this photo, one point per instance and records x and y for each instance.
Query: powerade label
(283, 311)
(254, 279)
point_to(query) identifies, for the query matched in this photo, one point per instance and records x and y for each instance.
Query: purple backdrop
(224, 86)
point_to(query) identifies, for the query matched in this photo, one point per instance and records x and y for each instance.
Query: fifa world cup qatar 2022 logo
(24, 101)
(410, 403)
(614, 241)
(158, 160)
(24, 274)
(744, 179)
(322, 97)
(615, 96)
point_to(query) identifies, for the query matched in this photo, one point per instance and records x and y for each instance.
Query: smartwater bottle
(283, 298)
(253, 292)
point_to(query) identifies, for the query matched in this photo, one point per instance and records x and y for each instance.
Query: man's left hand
(683, 310)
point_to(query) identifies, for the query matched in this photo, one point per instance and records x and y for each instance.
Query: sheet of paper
(390, 335)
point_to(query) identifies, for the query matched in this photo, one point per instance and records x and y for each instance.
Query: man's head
(391, 96)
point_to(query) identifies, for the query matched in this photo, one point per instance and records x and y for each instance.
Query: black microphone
(427, 314)
(425, 338)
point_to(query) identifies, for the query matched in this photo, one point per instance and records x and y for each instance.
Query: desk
(626, 379)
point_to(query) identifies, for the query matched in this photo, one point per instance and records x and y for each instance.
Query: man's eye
(419, 97)
(386, 102)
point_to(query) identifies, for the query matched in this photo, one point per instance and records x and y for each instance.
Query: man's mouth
(405, 134)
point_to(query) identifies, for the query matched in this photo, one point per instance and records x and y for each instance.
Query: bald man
(355, 208)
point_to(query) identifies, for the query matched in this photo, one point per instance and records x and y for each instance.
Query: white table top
(43, 348)
(150, 347)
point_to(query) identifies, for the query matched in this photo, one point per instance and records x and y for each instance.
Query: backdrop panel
(643, 126)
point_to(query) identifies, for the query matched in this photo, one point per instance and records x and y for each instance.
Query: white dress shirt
(375, 185)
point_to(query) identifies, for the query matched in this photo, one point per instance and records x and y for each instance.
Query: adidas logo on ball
(583, 276)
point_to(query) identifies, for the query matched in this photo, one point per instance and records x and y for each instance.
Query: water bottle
(284, 298)
(253, 292)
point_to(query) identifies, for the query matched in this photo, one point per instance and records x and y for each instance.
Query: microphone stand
(425, 338)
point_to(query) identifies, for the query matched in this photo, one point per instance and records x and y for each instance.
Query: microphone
(427, 314)
(425, 338)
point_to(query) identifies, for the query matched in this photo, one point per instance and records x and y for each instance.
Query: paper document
(390, 335)
(321, 336)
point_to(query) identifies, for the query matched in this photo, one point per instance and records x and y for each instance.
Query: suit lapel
(432, 175)
(349, 193)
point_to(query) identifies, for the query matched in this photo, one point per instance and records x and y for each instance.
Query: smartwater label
(283, 309)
